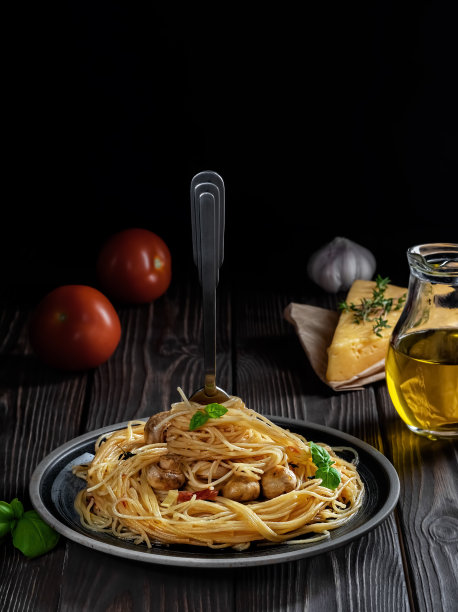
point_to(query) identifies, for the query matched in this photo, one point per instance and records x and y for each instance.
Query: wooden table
(409, 562)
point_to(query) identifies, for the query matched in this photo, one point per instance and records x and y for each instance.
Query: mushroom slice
(278, 480)
(241, 488)
(166, 474)
(155, 428)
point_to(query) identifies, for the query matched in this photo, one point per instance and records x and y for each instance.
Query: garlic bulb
(335, 266)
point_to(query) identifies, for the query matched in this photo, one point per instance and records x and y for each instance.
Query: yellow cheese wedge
(355, 348)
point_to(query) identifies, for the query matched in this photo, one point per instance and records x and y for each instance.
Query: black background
(323, 119)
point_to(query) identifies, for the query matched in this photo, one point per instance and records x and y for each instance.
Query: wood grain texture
(428, 509)
(107, 583)
(348, 579)
(41, 407)
(39, 410)
(406, 563)
(278, 381)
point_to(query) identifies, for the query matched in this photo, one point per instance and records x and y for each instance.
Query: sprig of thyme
(376, 308)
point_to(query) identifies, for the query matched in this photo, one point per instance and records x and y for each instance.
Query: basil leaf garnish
(198, 418)
(211, 411)
(330, 477)
(215, 410)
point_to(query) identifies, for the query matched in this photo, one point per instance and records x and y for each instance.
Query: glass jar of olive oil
(422, 360)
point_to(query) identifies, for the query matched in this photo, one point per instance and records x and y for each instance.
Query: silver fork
(207, 222)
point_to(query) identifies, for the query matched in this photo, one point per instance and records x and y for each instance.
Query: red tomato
(75, 327)
(134, 266)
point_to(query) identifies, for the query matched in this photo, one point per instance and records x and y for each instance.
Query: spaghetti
(235, 479)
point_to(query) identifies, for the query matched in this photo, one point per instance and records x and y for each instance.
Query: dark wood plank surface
(407, 563)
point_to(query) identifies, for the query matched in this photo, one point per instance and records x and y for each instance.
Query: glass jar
(422, 360)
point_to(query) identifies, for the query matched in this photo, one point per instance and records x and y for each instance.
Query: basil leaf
(6, 512)
(330, 477)
(6, 518)
(320, 455)
(32, 536)
(211, 411)
(4, 528)
(198, 418)
(17, 507)
(215, 410)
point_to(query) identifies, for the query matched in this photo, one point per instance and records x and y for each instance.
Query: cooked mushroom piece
(170, 463)
(278, 480)
(241, 488)
(155, 428)
(166, 474)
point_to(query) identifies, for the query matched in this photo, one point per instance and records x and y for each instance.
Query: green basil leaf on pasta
(322, 459)
(215, 410)
(198, 419)
(320, 455)
(211, 411)
(330, 477)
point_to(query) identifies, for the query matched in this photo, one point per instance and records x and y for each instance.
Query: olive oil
(422, 379)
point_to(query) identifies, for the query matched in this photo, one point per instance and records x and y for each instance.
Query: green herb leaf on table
(10, 513)
(322, 459)
(4, 529)
(211, 411)
(17, 507)
(31, 535)
(6, 512)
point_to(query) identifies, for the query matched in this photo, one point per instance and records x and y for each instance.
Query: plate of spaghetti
(214, 486)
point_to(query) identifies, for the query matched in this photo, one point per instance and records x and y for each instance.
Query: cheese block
(355, 348)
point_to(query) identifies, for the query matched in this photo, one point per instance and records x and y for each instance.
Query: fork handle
(207, 214)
